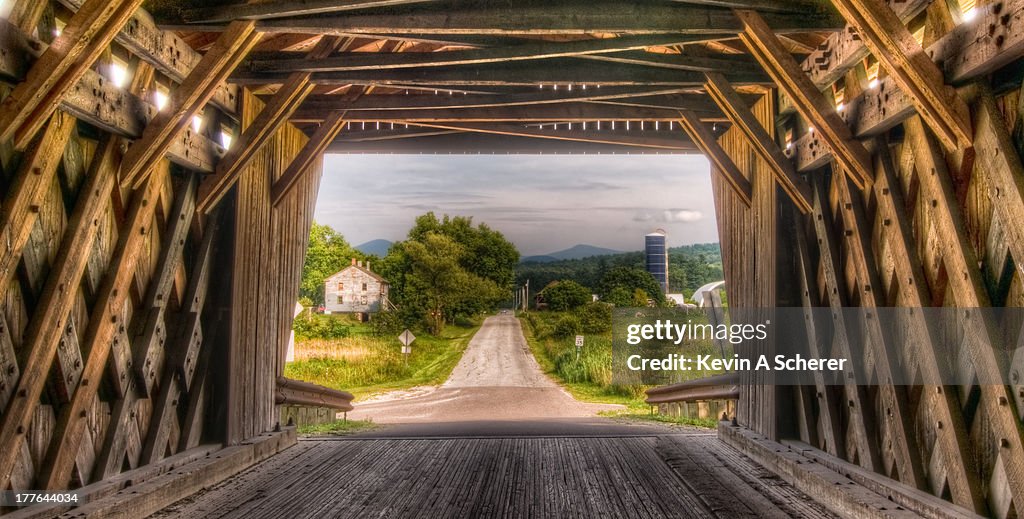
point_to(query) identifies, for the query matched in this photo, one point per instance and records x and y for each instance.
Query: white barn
(355, 289)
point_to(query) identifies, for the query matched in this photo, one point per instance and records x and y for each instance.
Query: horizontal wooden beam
(285, 9)
(527, 51)
(425, 141)
(598, 17)
(97, 101)
(966, 53)
(61, 66)
(166, 52)
(667, 97)
(654, 140)
(551, 113)
(303, 393)
(560, 71)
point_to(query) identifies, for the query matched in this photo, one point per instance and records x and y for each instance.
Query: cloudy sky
(542, 203)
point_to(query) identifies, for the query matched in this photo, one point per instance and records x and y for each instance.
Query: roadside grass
(366, 365)
(587, 378)
(338, 427)
(706, 423)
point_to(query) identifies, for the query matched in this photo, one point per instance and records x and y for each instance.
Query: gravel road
(496, 379)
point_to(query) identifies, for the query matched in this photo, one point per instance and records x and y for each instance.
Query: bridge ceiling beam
(194, 92)
(725, 166)
(884, 34)
(287, 62)
(88, 33)
(271, 117)
(285, 9)
(667, 141)
(677, 98)
(561, 71)
(810, 102)
(562, 18)
(553, 113)
(739, 114)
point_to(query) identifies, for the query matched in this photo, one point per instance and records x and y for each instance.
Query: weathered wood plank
(703, 138)
(285, 9)
(312, 151)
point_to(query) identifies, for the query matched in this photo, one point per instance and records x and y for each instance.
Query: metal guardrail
(296, 392)
(718, 387)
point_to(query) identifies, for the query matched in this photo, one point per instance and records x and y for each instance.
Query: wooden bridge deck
(666, 474)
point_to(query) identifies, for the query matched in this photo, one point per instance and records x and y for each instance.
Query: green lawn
(338, 428)
(366, 365)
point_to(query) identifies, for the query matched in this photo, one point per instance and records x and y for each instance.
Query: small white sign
(406, 350)
(579, 341)
(406, 337)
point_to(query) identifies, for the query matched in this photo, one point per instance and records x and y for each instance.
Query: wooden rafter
(780, 65)
(274, 114)
(739, 114)
(551, 113)
(706, 141)
(600, 17)
(913, 70)
(62, 64)
(502, 54)
(285, 9)
(192, 94)
(649, 140)
(312, 151)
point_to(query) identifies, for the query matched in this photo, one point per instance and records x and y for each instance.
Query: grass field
(365, 365)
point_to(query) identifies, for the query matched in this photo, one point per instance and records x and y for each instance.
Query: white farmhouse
(356, 289)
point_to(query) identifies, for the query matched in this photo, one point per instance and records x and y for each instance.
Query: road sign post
(406, 339)
(579, 346)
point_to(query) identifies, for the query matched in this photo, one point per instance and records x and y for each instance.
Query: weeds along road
(496, 379)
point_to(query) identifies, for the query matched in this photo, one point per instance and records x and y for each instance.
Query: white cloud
(682, 215)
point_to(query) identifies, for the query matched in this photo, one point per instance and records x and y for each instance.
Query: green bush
(595, 318)
(463, 321)
(566, 295)
(386, 324)
(568, 326)
(319, 326)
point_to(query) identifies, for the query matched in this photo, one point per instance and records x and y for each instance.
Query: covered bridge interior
(160, 167)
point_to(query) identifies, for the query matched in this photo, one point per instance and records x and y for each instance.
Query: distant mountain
(575, 252)
(375, 247)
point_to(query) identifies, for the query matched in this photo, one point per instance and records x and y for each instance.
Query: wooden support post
(913, 70)
(893, 396)
(739, 113)
(709, 145)
(310, 152)
(964, 485)
(765, 46)
(26, 14)
(274, 114)
(965, 280)
(104, 324)
(229, 50)
(63, 63)
(28, 191)
(54, 305)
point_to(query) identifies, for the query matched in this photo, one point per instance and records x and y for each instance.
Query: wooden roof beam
(740, 115)
(556, 71)
(502, 54)
(765, 46)
(648, 140)
(898, 52)
(62, 64)
(707, 142)
(188, 99)
(767, 6)
(313, 150)
(549, 113)
(285, 9)
(274, 114)
(561, 18)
